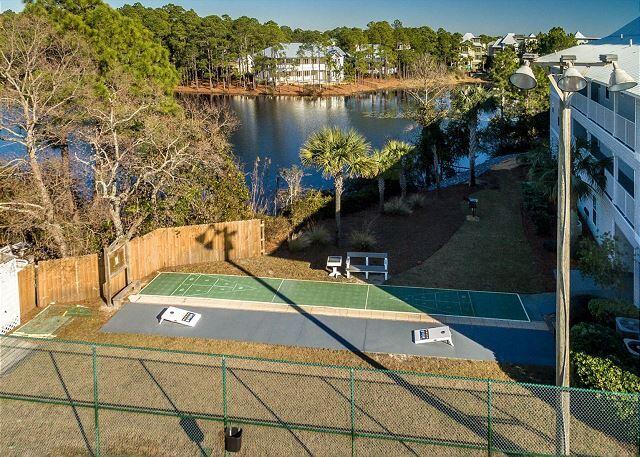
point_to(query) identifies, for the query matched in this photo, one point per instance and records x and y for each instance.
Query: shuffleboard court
(448, 302)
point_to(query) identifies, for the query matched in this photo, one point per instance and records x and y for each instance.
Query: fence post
(353, 411)
(95, 399)
(489, 419)
(224, 390)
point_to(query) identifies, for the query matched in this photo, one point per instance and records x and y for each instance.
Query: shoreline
(333, 90)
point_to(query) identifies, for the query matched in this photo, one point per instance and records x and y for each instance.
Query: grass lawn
(490, 254)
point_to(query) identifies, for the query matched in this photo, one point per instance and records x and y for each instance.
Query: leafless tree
(429, 97)
(293, 177)
(137, 149)
(258, 199)
(42, 74)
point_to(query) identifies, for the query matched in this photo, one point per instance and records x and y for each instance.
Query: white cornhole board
(432, 335)
(180, 316)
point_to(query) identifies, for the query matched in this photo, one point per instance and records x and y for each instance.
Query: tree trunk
(436, 165)
(403, 183)
(339, 183)
(52, 227)
(381, 192)
(472, 124)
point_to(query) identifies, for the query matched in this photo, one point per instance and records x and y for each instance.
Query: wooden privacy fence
(80, 278)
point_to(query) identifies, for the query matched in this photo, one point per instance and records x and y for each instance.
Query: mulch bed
(408, 239)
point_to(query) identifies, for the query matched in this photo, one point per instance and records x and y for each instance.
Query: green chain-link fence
(72, 398)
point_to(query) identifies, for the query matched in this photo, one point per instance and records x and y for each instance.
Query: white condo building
(296, 63)
(612, 121)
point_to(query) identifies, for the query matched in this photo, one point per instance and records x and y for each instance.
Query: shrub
(596, 340)
(397, 207)
(604, 262)
(538, 208)
(298, 243)
(598, 373)
(605, 311)
(318, 235)
(362, 240)
(307, 206)
(416, 201)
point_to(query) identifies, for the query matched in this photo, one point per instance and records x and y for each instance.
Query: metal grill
(71, 398)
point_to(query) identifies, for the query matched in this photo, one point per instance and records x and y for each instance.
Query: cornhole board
(432, 335)
(180, 316)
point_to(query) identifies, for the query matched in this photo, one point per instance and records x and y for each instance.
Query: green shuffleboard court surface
(492, 305)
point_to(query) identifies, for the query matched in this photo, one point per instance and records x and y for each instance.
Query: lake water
(277, 127)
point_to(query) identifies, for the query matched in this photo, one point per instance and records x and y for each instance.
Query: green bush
(538, 208)
(362, 240)
(298, 243)
(318, 235)
(599, 373)
(307, 207)
(416, 201)
(605, 311)
(397, 207)
(596, 340)
(603, 262)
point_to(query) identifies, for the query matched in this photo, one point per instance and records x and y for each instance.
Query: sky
(492, 17)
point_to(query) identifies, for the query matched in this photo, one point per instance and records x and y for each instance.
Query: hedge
(605, 311)
(602, 374)
(596, 340)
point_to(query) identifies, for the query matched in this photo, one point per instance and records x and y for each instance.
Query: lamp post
(570, 81)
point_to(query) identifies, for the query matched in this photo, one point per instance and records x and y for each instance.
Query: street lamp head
(524, 78)
(571, 79)
(620, 79)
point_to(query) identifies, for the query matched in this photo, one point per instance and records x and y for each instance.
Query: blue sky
(591, 17)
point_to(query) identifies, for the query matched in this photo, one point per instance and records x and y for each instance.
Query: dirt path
(367, 85)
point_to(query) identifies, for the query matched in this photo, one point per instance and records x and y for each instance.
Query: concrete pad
(476, 342)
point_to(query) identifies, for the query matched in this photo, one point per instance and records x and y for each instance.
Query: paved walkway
(476, 342)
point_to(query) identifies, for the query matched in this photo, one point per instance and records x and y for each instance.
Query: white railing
(625, 131)
(618, 126)
(625, 203)
(609, 187)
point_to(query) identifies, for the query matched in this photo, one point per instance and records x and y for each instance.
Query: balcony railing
(625, 203)
(618, 126)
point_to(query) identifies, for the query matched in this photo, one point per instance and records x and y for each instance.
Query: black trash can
(232, 439)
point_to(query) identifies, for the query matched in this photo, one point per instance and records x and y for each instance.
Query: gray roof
(617, 43)
(295, 50)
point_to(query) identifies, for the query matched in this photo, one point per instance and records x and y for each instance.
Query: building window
(625, 177)
(595, 91)
(594, 212)
(606, 93)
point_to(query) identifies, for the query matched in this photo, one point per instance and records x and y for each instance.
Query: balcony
(625, 203)
(619, 127)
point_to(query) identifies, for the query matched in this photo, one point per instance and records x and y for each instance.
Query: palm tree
(587, 171)
(339, 155)
(400, 151)
(467, 104)
(382, 164)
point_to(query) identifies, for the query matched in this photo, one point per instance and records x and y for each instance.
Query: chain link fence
(70, 398)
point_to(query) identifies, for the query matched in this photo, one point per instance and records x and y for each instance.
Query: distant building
(581, 39)
(611, 121)
(519, 43)
(473, 53)
(297, 63)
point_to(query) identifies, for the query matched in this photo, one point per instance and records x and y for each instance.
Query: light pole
(570, 81)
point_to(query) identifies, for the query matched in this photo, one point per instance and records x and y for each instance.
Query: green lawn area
(491, 254)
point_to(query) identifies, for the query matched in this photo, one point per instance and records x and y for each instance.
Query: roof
(295, 50)
(628, 55)
(468, 37)
(630, 31)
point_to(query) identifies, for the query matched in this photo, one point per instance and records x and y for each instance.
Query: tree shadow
(477, 426)
(63, 384)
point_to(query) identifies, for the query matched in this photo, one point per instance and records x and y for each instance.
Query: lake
(277, 126)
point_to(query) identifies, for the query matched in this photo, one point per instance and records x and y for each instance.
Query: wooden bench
(367, 267)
